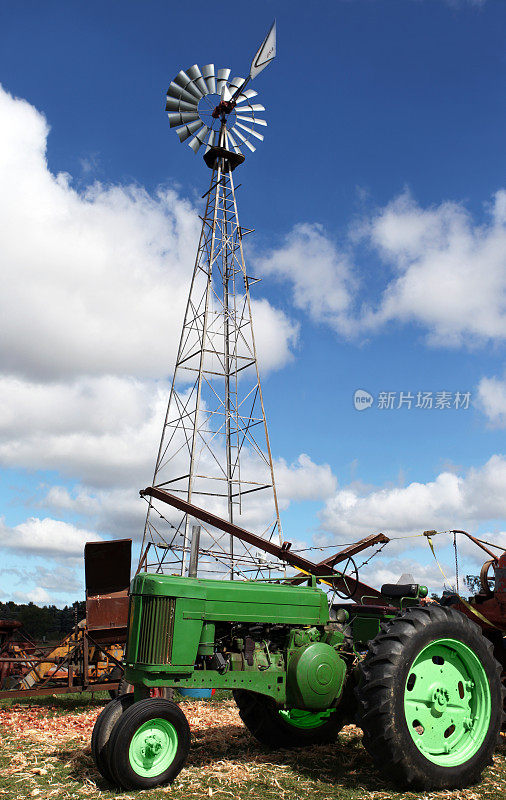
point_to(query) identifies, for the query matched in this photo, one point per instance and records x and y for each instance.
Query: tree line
(46, 623)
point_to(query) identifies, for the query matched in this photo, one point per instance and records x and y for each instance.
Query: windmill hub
(223, 107)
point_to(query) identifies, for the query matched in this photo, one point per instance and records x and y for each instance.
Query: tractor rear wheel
(430, 699)
(279, 728)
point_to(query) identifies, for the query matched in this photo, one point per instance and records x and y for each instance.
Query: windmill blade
(251, 131)
(182, 79)
(198, 140)
(235, 84)
(252, 120)
(208, 75)
(243, 139)
(188, 130)
(173, 104)
(265, 53)
(250, 107)
(225, 92)
(198, 81)
(233, 142)
(210, 141)
(246, 95)
(181, 119)
(222, 79)
(177, 91)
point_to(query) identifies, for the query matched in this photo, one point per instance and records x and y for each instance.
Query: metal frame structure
(79, 663)
(215, 441)
(347, 585)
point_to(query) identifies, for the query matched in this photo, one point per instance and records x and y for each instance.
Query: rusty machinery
(90, 658)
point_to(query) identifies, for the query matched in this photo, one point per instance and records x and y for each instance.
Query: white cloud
(491, 400)
(321, 276)
(103, 431)
(61, 577)
(303, 480)
(119, 512)
(97, 404)
(37, 595)
(449, 271)
(473, 498)
(275, 335)
(47, 536)
(94, 282)
(443, 271)
(60, 584)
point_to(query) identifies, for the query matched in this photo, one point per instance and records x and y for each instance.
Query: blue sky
(380, 213)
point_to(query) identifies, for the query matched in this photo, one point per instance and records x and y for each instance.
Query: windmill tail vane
(215, 442)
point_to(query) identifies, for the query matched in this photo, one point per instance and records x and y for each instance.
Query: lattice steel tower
(214, 450)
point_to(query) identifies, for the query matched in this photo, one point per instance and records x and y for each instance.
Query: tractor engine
(272, 639)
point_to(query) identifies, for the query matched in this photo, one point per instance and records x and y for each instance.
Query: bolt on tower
(214, 449)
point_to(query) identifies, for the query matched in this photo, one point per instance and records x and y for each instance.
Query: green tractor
(420, 681)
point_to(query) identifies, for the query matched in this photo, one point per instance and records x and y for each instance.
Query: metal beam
(323, 570)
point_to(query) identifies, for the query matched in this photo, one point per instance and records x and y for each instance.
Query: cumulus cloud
(451, 500)
(47, 536)
(119, 512)
(322, 280)
(491, 400)
(390, 570)
(59, 585)
(100, 430)
(303, 480)
(449, 272)
(443, 271)
(37, 595)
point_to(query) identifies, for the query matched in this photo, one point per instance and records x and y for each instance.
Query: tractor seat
(400, 590)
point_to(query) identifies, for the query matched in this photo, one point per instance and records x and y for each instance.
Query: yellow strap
(310, 575)
(464, 602)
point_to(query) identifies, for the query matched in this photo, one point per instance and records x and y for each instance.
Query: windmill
(214, 447)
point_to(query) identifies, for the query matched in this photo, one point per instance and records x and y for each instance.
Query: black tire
(102, 730)
(128, 725)
(264, 720)
(116, 674)
(381, 695)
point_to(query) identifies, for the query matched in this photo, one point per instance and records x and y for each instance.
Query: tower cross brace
(215, 442)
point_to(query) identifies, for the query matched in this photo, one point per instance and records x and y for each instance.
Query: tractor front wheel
(279, 728)
(102, 730)
(430, 699)
(149, 744)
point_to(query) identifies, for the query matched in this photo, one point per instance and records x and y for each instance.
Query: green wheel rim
(153, 747)
(447, 702)
(305, 719)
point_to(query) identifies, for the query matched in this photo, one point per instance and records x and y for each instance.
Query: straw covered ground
(45, 753)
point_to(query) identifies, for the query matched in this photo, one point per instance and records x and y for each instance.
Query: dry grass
(45, 753)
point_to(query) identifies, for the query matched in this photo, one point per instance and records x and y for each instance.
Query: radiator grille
(156, 628)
